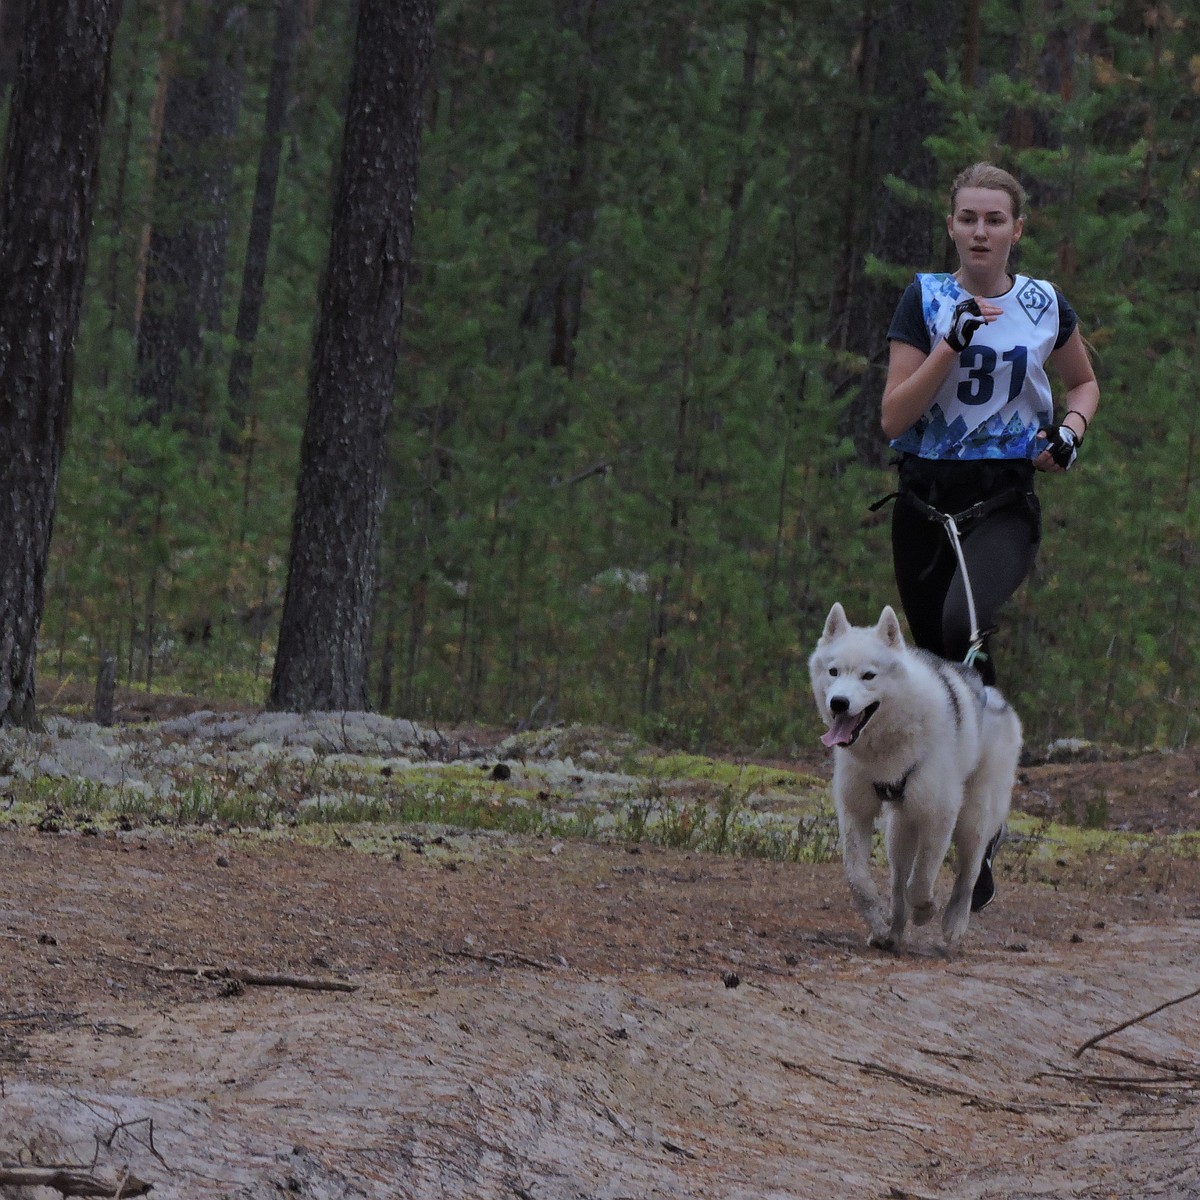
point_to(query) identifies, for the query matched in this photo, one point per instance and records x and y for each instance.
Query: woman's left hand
(1045, 462)
(1062, 448)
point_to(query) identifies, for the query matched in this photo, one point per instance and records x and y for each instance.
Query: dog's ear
(836, 623)
(888, 629)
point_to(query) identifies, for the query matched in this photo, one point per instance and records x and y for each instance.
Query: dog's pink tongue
(840, 732)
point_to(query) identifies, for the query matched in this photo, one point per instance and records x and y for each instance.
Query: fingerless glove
(1063, 443)
(967, 318)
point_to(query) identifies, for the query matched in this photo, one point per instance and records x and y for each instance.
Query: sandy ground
(575, 1021)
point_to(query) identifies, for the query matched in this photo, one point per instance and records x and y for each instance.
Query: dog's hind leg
(969, 845)
(988, 795)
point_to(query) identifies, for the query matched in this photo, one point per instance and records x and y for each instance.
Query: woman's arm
(1074, 367)
(914, 376)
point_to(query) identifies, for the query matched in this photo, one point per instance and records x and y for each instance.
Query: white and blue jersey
(993, 404)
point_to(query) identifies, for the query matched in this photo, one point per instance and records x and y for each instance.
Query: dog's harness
(894, 792)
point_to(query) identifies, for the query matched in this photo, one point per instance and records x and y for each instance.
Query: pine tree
(287, 33)
(189, 238)
(47, 198)
(324, 637)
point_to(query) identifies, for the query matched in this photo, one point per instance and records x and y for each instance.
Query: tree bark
(566, 215)
(258, 242)
(324, 637)
(118, 300)
(12, 23)
(185, 269)
(900, 41)
(47, 200)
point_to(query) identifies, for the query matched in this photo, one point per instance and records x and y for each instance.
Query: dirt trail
(558, 1022)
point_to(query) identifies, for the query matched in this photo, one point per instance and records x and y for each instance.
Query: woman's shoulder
(909, 322)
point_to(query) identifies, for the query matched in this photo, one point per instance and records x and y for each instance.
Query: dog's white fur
(953, 742)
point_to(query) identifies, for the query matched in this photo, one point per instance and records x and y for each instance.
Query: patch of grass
(1095, 812)
(717, 809)
(697, 768)
(730, 826)
(436, 802)
(1100, 859)
(48, 796)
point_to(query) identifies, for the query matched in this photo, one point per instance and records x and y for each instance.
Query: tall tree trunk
(185, 272)
(900, 41)
(741, 170)
(47, 200)
(170, 19)
(12, 25)
(566, 215)
(324, 636)
(113, 298)
(971, 42)
(258, 242)
(673, 582)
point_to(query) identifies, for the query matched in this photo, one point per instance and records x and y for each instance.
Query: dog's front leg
(930, 854)
(902, 850)
(858, 832)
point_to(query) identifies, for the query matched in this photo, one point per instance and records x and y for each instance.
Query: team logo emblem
(1034, 299)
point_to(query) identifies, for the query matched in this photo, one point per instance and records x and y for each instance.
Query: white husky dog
(923, 741)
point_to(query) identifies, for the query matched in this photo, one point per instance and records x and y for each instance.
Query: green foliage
(619, 491)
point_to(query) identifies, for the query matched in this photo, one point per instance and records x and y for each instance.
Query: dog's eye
(868, 675)
(833, 672)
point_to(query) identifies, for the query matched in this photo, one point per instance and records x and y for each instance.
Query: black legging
(999, 550)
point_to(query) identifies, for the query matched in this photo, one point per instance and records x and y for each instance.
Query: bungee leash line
(975, 649)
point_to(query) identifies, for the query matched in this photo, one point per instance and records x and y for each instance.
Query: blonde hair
(987, 175)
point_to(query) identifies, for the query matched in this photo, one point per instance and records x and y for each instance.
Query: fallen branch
(1142, 1129)
(70, 1181)
(29, 1018)
(676, 1148)
(1133, 1021)
(1127, 1083)
(932, 1087)
(805, 1069)
(1158, 1064)
(249, 978)
(256, 979)
(499, 958)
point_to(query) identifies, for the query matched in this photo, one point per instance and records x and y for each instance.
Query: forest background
(634, 440)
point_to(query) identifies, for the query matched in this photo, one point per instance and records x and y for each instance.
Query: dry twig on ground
(70, 1181)
(1134, 1020)
(258, 979)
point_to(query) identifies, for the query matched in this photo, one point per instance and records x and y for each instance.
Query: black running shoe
(985, 886)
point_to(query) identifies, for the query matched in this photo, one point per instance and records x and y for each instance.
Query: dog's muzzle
(846, 727)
